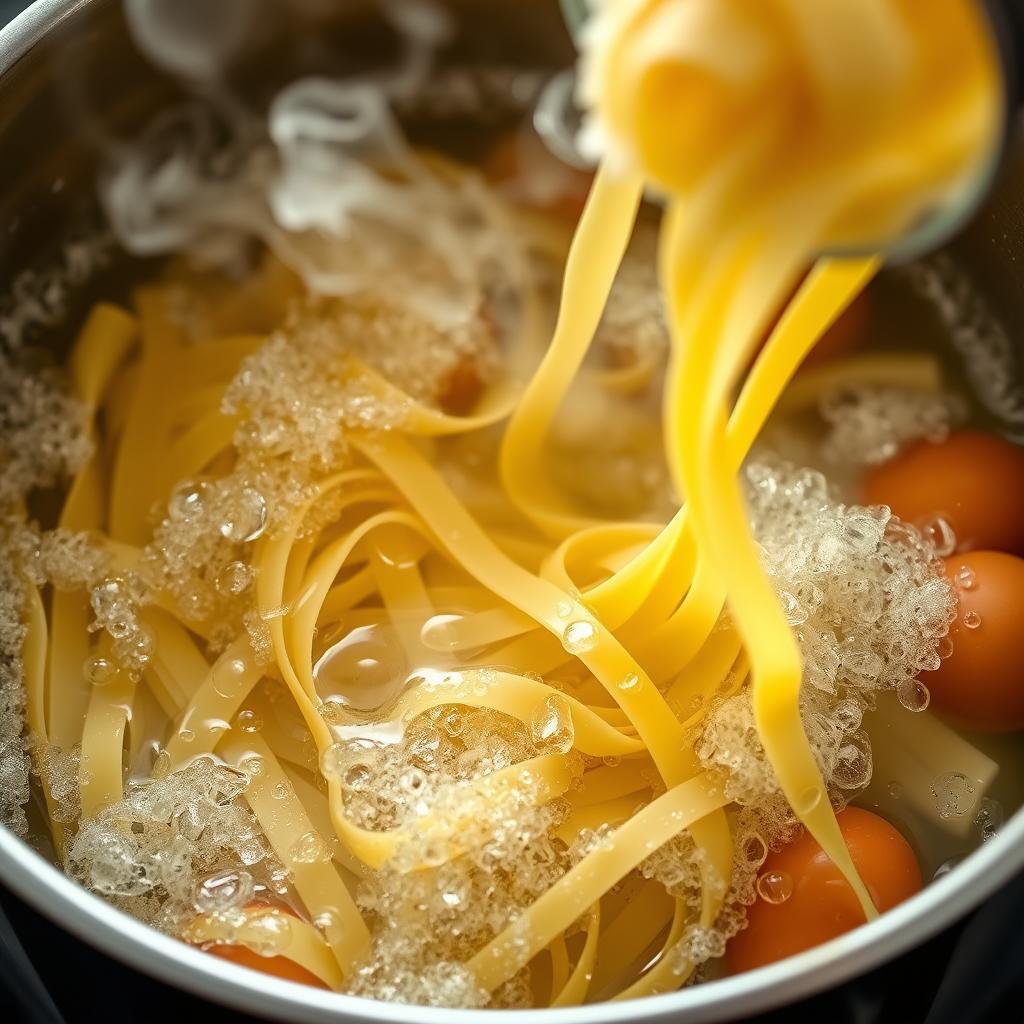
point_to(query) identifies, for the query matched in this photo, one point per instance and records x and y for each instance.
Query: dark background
(971, 974)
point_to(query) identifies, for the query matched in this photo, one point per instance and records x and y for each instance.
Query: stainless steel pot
(70, 80)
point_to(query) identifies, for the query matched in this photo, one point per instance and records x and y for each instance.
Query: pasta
(428, 724)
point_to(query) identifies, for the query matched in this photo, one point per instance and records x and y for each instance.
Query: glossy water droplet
(328, 924)
(579, 637)
(775, 887)
(309, 848)
(941, 535)
(631, 682)
(913, 695)
(552, 726)
(99, 671)
(952, 792)
(564, 609)
(281, 791)
(229, 678)
(989, 818)
(254, 766)
(234, 579)
(223, 891)
(965, 578)
(248, 519)
(248, 721)
(186, 503)
(363, 671)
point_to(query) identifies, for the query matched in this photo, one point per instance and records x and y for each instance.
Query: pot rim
(128, 940)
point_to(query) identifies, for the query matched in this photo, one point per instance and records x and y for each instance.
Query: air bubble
(941, 535)
(989, 818)
(579, 637)
(248, 519)
(234, 579)
(775, 887)
(952, 793)
(971, 620)
(333, 760)
(281, 791)
(755, 850)
(186, 503)
(99, 671)
(358, 777)
(224, 891)
(248, 721)
(229, 678)
(309, 848)
(453, 722)
(965, 578)
(328, 924)
(913, 695)
(552, 727)
(413, 781)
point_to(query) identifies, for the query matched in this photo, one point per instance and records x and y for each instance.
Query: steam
(328, 180)
(191, 39)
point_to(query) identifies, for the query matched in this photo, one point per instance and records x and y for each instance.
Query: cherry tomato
(534, 177)
(973, 480)
(820, 904)
(278, 966)
(980, 683)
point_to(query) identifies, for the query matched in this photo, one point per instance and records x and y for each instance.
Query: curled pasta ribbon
(599, 870)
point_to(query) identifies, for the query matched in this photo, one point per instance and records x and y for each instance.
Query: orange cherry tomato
(973, 480)
(534, 177)
(278, 966)
(821, 905)
(980, 683)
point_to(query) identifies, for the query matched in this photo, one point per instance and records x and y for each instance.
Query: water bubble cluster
(174, 846)
(953, 794)
(874, 605)
(870, 424)
(116, 604)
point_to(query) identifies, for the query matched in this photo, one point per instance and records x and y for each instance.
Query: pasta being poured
(405, 672)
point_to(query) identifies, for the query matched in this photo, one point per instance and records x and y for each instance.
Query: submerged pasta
(404, 696)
